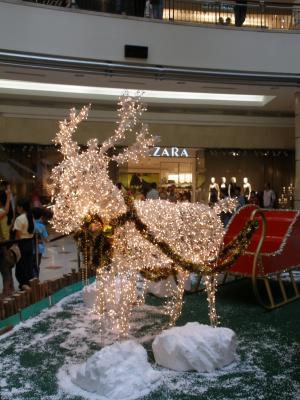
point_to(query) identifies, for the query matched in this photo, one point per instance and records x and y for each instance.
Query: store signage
(169, 152)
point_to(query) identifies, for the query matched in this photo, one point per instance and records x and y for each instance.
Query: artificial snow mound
(195, 347)
(118, 372)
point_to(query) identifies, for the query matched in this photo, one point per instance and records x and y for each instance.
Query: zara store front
(28, 168)
(165, 166)
(192, 169)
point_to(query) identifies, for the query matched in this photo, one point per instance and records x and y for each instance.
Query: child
(41, 236)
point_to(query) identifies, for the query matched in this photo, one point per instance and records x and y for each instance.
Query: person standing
(24, 230)
(4, 210)
(239, 197)
(254, 198)
(269, 196)
(157, 8)
(163, 194)
(153, 193)
(11, 212)
(120, 7)
(148, 10)
(5, 265)
(240, 12)
(41, 236)
(139, 7)
(135, 181)
(172, 197)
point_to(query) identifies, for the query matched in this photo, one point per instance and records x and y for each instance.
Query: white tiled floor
(59, 259)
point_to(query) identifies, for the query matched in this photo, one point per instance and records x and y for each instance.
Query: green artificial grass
(268, 354)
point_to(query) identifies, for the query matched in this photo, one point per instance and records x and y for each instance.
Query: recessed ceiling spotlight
(153, 96)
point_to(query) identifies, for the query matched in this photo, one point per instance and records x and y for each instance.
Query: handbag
(10, 256)
(16, 252)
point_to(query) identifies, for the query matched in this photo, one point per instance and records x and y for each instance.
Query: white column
(297, 152)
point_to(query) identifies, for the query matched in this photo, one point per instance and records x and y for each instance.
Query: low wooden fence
(38, 296)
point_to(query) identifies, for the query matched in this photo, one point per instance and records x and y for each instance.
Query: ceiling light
(103, 93)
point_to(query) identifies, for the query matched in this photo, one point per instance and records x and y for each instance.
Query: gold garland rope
(226, 257)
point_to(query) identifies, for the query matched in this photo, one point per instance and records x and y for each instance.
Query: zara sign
(169, 152)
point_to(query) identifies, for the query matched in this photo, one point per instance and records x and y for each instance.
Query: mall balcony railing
(247, 14)
(251, 14)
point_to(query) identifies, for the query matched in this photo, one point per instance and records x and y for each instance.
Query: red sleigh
(273, 255)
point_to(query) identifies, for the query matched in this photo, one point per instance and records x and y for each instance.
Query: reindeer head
(81, 184)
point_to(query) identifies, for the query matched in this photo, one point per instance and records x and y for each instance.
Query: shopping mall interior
(220, 84)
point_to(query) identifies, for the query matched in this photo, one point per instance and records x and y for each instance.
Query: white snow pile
(195, 347)
(118, 372)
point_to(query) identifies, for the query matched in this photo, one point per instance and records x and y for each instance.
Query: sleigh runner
(272, 257)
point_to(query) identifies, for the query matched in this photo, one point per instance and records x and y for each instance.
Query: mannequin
(246, 188)
(232, 187)
(214, 191)
(223, 188)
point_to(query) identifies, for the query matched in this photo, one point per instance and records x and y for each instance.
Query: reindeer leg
(174, 305)
(210, 287)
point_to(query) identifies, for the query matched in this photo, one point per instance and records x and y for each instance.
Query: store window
(166, 166)
(250, 168)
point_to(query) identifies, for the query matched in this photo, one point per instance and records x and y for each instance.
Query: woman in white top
(24, 229)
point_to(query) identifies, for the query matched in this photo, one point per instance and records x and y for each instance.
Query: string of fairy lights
(154, 238)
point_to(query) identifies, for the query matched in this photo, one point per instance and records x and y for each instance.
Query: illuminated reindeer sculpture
(153, 238)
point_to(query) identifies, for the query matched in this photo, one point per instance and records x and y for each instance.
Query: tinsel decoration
(104, 234)
(236, 247)
(158, 274)
(96, 235)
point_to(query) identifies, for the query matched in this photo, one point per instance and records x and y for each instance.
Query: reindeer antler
(139, 149)
(130, 112)
(69, 147)
(81, 184)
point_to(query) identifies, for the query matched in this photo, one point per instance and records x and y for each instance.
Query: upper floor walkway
(249, 14)
(180, 44)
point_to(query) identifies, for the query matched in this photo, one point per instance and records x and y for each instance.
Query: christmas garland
(99, 237)
(159, 273)
(236, 247)
(226, 258)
